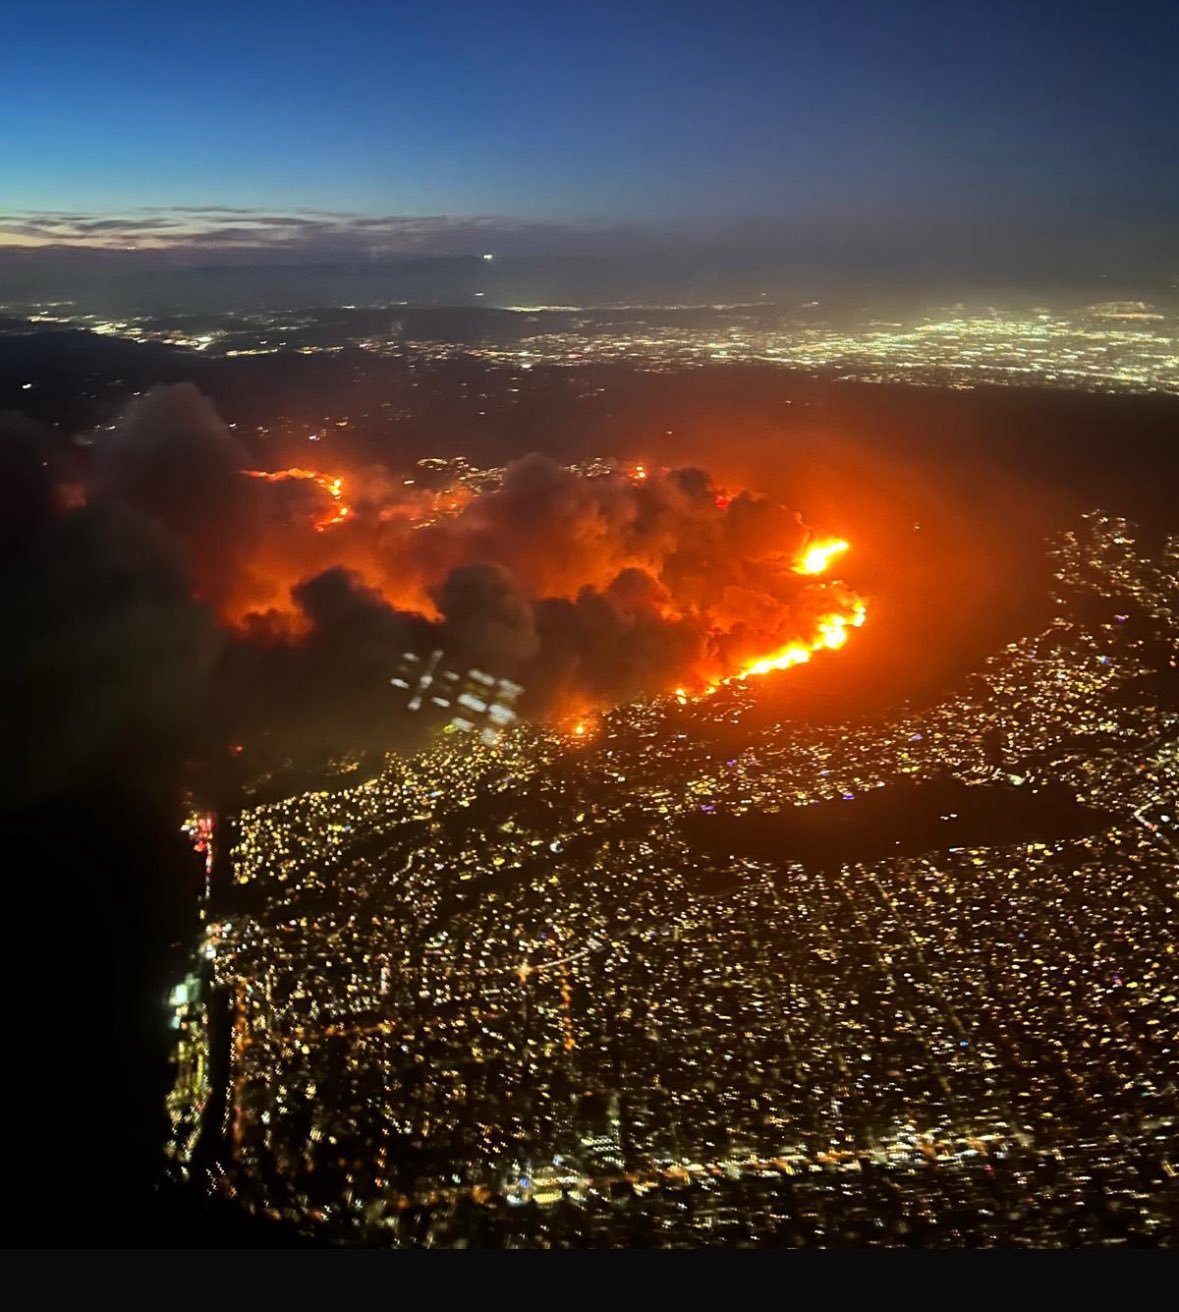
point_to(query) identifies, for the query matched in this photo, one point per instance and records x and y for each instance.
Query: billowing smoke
(486, 618)
(107, 655)
(326, 690)
(273, 606)
(172, 457)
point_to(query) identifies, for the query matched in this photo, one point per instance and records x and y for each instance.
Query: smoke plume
(273, 606)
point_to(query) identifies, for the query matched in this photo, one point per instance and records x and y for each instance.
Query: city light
(519, 914)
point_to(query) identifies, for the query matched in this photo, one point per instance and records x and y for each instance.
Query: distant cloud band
(302, 234)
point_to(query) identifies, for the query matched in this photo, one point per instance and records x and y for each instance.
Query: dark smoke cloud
(557, 531)
(487, 617)
(609, 646)
(107, 656)
(328, 690)
(171, 456)
(588, 590)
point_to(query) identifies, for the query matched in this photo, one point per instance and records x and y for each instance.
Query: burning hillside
(694, 584)
(587, 585)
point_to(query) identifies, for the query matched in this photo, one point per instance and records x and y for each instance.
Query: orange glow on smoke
(819, 555)
(830, 636)
(831, 629)
(332, 484)
(401, 538)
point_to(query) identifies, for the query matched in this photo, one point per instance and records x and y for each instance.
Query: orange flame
(831, 631)
(819, 555)
(830, 636)
(332, 484)
(841, 611)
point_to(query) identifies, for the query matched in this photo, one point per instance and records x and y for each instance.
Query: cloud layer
(187, 234)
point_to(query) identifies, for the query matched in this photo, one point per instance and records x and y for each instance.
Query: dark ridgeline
(98, 888)
(102, 907)
(903, 819)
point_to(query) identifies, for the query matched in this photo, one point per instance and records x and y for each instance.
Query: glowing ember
(819, 555)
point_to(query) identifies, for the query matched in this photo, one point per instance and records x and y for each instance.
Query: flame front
(830, 636)
(831, 631)
(332, 484)
(817, 613)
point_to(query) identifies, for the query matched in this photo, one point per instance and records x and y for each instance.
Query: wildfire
(793, 654)
(830, 636)
(819, 555)
(731, 633)
(332, 484)
(831, 631)
(580, 723)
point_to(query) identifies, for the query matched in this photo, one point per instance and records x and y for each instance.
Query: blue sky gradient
(645, 113)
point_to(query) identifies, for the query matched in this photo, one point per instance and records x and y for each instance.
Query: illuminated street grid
(1112, 346)
(1128, 349)
(496, 996)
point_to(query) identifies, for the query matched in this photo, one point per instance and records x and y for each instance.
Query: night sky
(575, 124)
